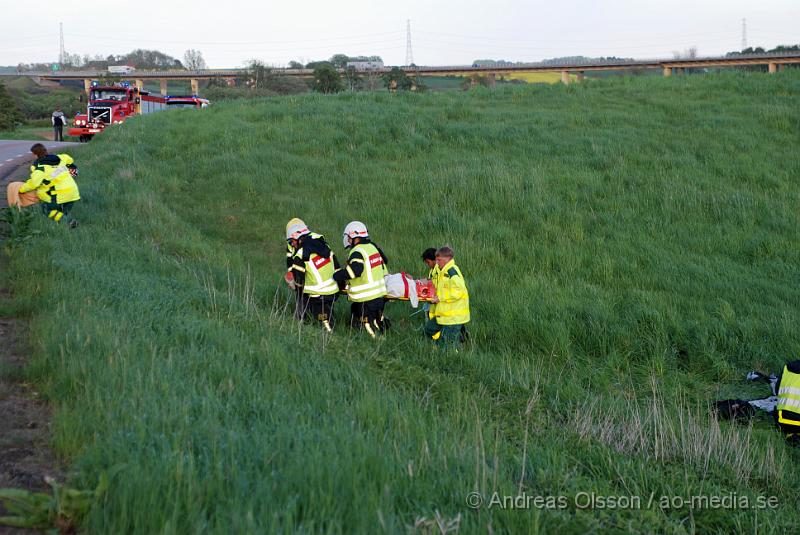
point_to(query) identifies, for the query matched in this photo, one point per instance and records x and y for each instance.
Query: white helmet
(354, 229)
(296, 228)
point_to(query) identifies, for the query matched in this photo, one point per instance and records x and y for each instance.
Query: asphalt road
(16, 153)
(15, 156)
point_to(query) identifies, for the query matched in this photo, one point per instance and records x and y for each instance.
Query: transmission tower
(744, 34)
(409, 54)
(61, 53)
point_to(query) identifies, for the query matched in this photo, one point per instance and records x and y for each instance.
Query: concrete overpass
(774, 62)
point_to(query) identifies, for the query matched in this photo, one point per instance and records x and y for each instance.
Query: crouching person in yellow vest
(51, 179)
(364, 272)
(450, 311)
(312, 267)
(787, 412)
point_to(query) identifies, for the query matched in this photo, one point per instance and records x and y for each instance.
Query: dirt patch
(25, 456)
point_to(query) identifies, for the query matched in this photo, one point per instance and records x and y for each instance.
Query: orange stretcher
(426, 291)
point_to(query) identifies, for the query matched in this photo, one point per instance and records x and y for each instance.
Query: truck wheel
(85, 139)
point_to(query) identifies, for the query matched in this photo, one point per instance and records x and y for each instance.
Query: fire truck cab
(108, 104)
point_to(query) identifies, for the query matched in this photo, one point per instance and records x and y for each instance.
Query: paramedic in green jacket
(450, 311)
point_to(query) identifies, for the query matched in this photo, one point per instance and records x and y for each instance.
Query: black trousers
(319, 309)
(58, 132)
(369, 316)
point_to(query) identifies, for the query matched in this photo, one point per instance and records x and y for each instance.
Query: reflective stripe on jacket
(290, 251)
(789, 398)
(453, 305)
(51, 180)
(370, 284)
(319, 276)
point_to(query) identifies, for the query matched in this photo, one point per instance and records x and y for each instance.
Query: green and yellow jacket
(51, 179)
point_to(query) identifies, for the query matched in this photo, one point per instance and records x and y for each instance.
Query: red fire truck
(112, 104)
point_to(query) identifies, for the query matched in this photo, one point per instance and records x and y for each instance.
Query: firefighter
(310, 268)
(366, 266)
(52, 179)
(787, 411)
(450, 312)
(300, 302)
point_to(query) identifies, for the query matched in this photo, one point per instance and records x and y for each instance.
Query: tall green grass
(630, 246)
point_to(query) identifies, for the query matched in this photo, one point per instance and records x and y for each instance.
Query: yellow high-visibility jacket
(51, 180)
(789, 398)
(451, 289)
(290, 251)
(370, 283)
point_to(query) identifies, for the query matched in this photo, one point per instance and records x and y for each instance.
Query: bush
(10, 115)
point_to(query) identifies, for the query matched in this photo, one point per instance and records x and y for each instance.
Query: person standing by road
(51, 178)
(59, 120)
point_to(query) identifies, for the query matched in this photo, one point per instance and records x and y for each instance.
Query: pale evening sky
(443, 32)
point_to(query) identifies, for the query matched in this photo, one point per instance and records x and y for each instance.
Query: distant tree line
(329, 76)
(337, 61)
(759, 50)
(139, 58)
(549, 61)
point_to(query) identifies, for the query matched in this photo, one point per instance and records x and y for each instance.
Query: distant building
(365, 65)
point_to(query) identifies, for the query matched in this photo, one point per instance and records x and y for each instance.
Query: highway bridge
(774, 62)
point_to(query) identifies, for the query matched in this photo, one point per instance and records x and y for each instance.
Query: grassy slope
(629, 245)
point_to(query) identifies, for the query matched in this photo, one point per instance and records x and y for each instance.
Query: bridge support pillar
(773, 67)
(87, 85)
(163, 83)
(492, 78)
(139, 85)
(195, 86)
(473, 80)
(667, 71)
(579, 77)
(565, 77)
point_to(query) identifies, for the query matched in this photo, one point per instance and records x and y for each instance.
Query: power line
(240, 43)
(522, 42)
